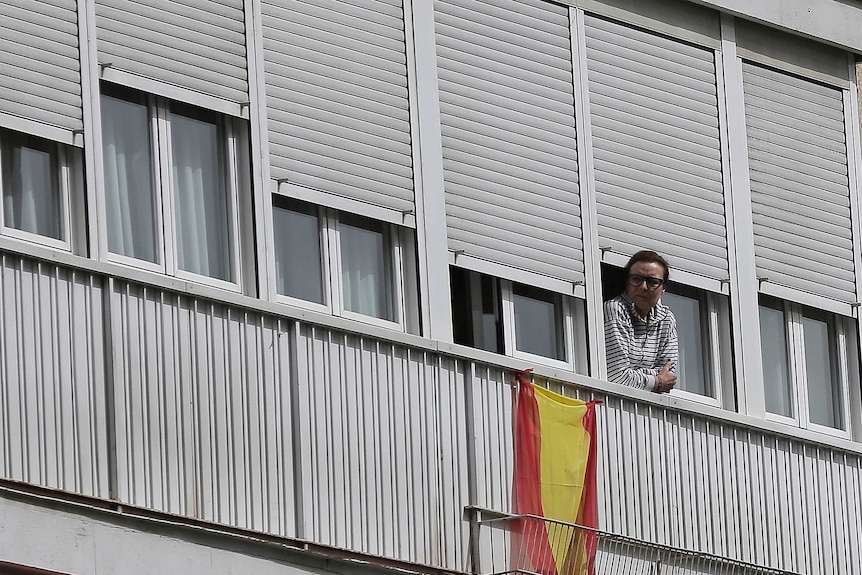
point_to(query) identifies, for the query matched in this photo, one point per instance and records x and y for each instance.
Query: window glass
(773, 348)
(201, 207)
(129, 197)
(366, 268)
(694, 375)
(824, 389)
(538, 322)
(32, 200)
(299, 272)
(476, 310)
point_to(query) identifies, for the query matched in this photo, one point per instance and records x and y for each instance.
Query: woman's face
(645, 298)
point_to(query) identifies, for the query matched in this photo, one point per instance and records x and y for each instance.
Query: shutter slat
(197, 45)
(508, 134)
(332, 89)
(761, 126)
(800, 192)
(777, 181)
(656, 148)
(469, 179)
(797, 245)
(337, 99)
(41, 72)
(817, 168)
(821, 230)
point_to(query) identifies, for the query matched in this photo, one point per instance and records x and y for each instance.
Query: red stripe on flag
(531, 546)
(588, 512)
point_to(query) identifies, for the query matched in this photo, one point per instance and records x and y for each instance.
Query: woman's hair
(649, 257)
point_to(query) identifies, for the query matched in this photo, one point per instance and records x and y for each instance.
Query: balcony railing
(510, 544)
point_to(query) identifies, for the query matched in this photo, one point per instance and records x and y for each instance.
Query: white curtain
(129, 198)
(200, 198)
(365, 272)
(31, 194)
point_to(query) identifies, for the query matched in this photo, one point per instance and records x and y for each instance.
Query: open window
(518, 320)
(705, 369)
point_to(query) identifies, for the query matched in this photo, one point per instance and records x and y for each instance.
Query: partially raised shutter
(508, 127)
(337, 102)
(800, 194)
(198, 45)
(658, 171)
(40, 71)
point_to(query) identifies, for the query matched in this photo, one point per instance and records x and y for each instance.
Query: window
(705, 369)
(37, 181)
(344, 264)
(515, 319)
(807, 356)
(172, 184)
(702, 323)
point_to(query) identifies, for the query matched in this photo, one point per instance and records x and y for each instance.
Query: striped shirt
(637, 349)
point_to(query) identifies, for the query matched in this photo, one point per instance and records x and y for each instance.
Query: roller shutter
(337, 101)
(800, 193)
(40, 72)
(655, 131)
(198, 45)
(508, 134)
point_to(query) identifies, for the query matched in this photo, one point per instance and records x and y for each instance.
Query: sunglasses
(651, 283)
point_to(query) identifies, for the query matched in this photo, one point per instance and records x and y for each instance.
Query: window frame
(716, 344)
(65, 183)
(395, 280)
(329, 223)
(573, 312)
(510, 336)
(159, 113)
(842, 335)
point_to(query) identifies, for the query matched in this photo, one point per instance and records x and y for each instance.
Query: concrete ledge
(835, 22)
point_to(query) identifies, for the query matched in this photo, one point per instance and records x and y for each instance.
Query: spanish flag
(555, 478)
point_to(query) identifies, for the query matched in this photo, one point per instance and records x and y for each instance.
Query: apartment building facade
(267, 267)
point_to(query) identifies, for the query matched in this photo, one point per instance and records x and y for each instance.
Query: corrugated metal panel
(508, 127)
(204, 418)
(53, 424)
(41, 71)
(768, 500)
(194, 44)
(383, 467)
(800, 194)
(658, 171)
(337, 104)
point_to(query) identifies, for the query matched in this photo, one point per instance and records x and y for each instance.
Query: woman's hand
(665, 380)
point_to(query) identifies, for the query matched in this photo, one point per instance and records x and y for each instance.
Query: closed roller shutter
(198, 45)
(654, 116)
(508, 128)
(337, 102)
(40, 72)
(800, 195)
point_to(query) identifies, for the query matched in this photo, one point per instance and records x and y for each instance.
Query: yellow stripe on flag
(565, 450)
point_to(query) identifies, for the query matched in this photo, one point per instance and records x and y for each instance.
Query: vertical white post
(743, 272)
(97, 240)
(428, 172)
(260, 179)
(854, 173)
(589, 218)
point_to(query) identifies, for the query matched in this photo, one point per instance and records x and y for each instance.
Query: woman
(640, 333)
